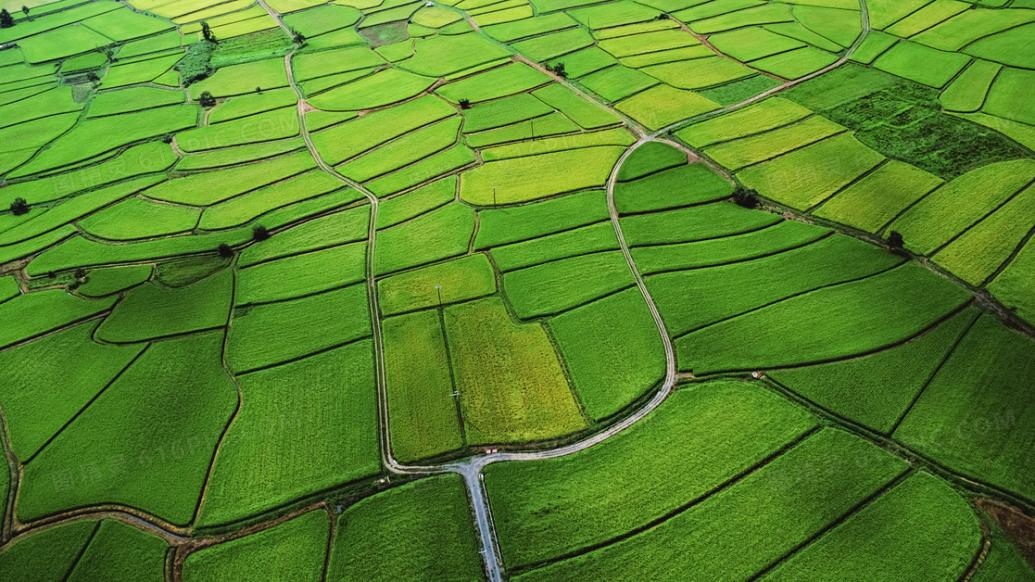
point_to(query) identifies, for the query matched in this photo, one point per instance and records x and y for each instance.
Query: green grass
(439, 234)
(341, 142)
(449, 282)
(423, 416)
(136, 217)
(769, 114)
(398, 209)
(424, 526)
(130, 458)
(877, 198)
(953, 208)
(511, 384)
(650, 158)
(701, 73)
(583, 112)
(33, 410)
(264, 335)
(751, 150)
(661, 106)
(692, 224)
(876, 390)
(979, 252)
(682, 186)
(833, 163)
(47, 555)
(207, 188)
(612, 351)
(155, 311)
(1007, 47)
(132, 99)
(302, 274)
(241, 79)
(73, 209)
(102, 282)
(294, 549)
(618, 82)
(968, 92)
(332, 62)
(52, 309)
(1015, 284)
(558, 286)
(539, 144)
(495, 83)
(726, 249)
(382, 88)
(968, 419)
(738, 531)
(552, 173)
(291, 191)
(920, 530)
(237, 155)
(694, 298)
(544, 509)
(408, 149)
(578, 241)
(439, 56)
(517, 223)
(325, 435)
(1006, 98)
(271, 125)
(334, 229)
(120, 553)
(97, 136)
(828, 323)
(61, 43)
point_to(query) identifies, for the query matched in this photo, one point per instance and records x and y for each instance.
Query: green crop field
(487, 290)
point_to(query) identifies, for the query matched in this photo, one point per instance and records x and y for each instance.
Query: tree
(25, 11)
(465, 103)
(558, 70)
(206, 32)
(19, 207)
(207, 100)
(260, 233)
(299, 38)
(225, 251)
(6, 21)
(746, 198)
(895, 239)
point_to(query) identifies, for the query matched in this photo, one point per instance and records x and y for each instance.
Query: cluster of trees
(7, 21)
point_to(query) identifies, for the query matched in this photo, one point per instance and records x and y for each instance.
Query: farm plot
(125, 458)
(287, 443)
(881, 310)
(701, 437)
(509, 377)
(295, 549)
(424, 526)
(966, 418)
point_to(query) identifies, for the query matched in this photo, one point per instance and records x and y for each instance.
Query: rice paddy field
(328, 290)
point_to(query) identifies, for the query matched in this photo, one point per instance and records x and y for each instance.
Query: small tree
(465, 103)
(895, 240)
(299, 38)
(260, 233)
(746, 198)
(663, 16)
(558, 70)
(207, 100)
(225, 251)
(6, 21)
(19, 207)
(206, 32)
(25, 11)
(258, 89)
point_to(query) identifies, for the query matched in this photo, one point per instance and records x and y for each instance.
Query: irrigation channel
(471, 468)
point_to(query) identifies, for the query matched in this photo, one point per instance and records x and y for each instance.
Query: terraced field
(517, 289)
